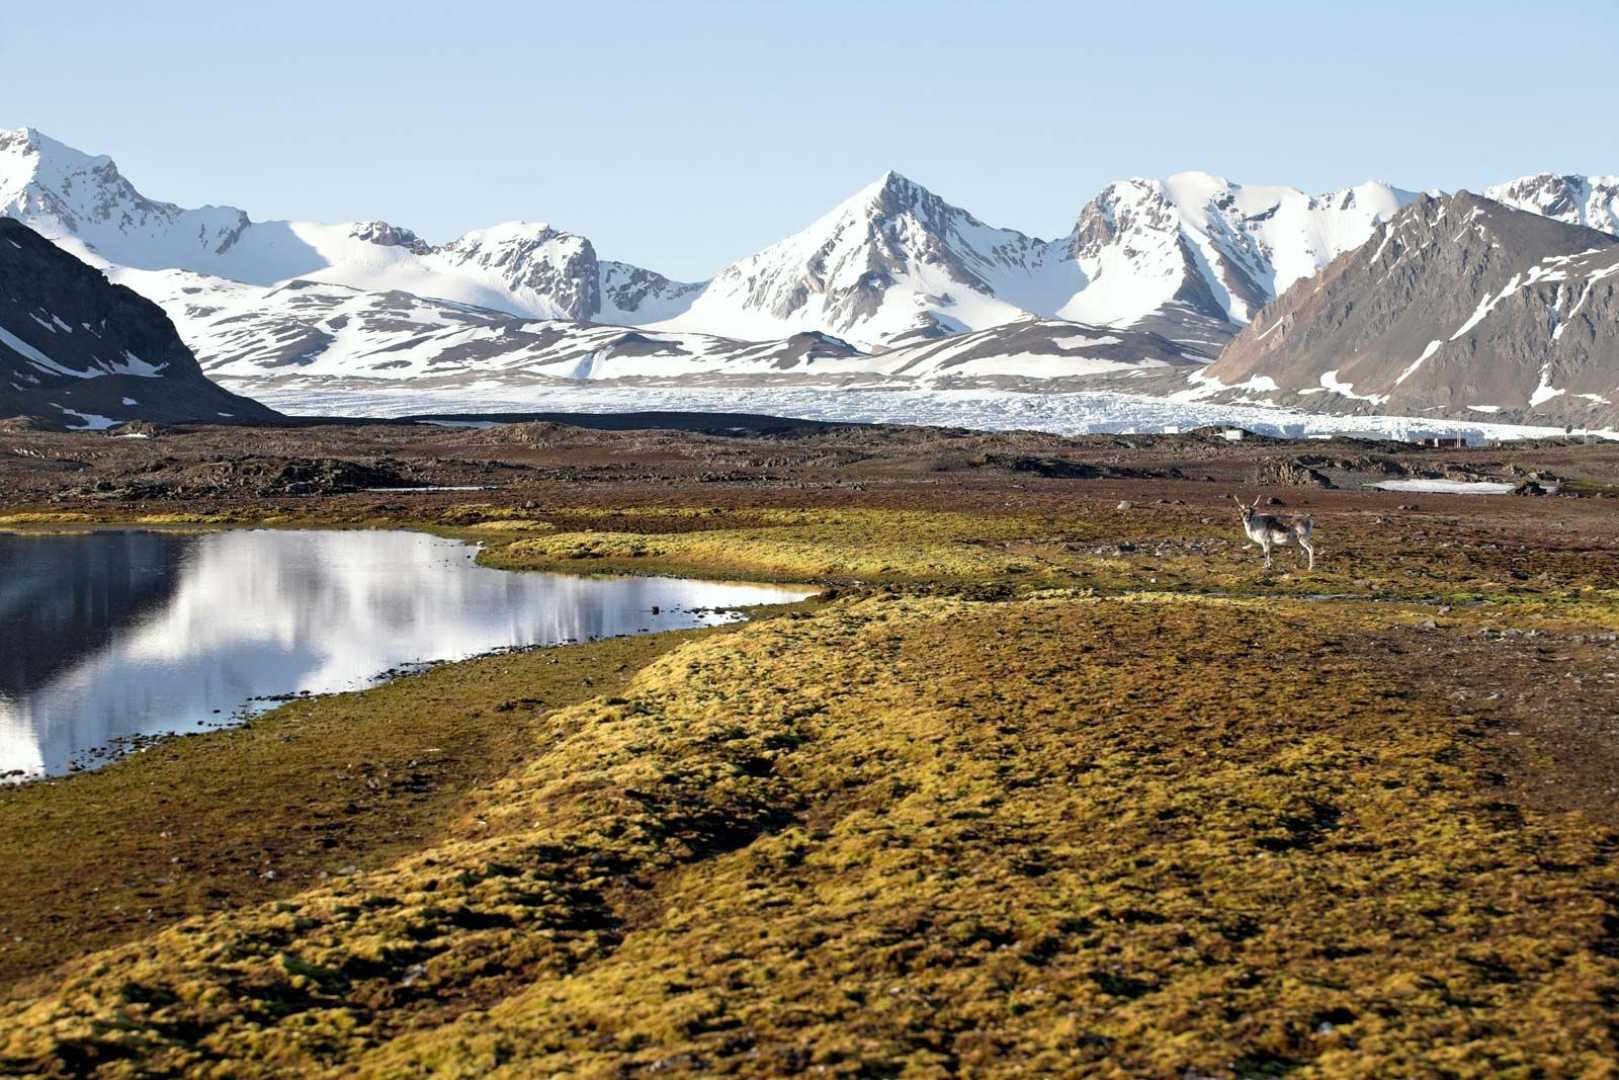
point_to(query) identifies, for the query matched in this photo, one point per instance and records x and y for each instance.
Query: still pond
(111, 637)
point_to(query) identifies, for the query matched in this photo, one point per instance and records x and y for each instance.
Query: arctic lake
(111, 636)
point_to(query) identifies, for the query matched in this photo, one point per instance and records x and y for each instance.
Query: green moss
(928, 836)
(316, 788)
(1065, 792)
(783, 545)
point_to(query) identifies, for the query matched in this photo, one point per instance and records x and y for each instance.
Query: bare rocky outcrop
(1289, 472)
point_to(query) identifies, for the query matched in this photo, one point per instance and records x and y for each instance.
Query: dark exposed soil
(753, 464)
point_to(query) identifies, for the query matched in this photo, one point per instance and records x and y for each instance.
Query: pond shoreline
(284, 800)
(128, 634)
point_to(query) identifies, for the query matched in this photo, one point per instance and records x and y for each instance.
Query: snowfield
(1075, 413)
(1447, 487)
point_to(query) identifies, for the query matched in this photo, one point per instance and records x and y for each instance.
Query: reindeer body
(1270, 530)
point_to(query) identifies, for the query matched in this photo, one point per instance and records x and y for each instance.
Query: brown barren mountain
(1459, 307)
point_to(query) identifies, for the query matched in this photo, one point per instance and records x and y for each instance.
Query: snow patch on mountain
(313, 333)
(1592, 201)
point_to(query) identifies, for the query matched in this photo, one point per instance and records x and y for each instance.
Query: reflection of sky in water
(112, 634)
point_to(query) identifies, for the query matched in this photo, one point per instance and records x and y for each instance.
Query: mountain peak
(1196, 180)
(1592, 201)
(382, 234)
(51, 155)
(894, 180)
(892, 192)
(519, 231)
(1541, 179)
(23, 140)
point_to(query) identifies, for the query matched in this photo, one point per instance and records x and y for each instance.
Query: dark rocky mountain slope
(80, 352)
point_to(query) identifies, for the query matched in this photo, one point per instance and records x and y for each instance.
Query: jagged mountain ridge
(1198, 255)
(85, 204)
(1189, 257)
(1182, 263)
(893, 264)
(1458, 306)
(1592, 201)
(79, 351)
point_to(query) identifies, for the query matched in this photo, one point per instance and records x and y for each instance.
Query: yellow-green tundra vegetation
(1062, 792)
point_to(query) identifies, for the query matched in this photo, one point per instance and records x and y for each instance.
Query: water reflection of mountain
(236, 615)
(62, 597)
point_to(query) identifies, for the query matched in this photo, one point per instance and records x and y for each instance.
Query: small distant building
(1459, 440)
(1233, 434)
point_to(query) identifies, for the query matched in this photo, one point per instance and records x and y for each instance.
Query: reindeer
(1268, 530)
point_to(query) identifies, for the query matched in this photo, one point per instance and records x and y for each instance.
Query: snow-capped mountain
(1191, 257)
(892, 263)
(1592, 201)
(1194, 256)
(1458, 306)
(893, 282)
(307, 331)
(87, 206)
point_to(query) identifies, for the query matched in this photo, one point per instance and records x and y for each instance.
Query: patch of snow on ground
(91, 421)
(1447, 487)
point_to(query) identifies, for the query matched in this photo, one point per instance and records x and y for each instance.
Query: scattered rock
(1289, 472)
(25, 423)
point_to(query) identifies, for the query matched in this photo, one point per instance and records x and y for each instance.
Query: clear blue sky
(683, 135)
